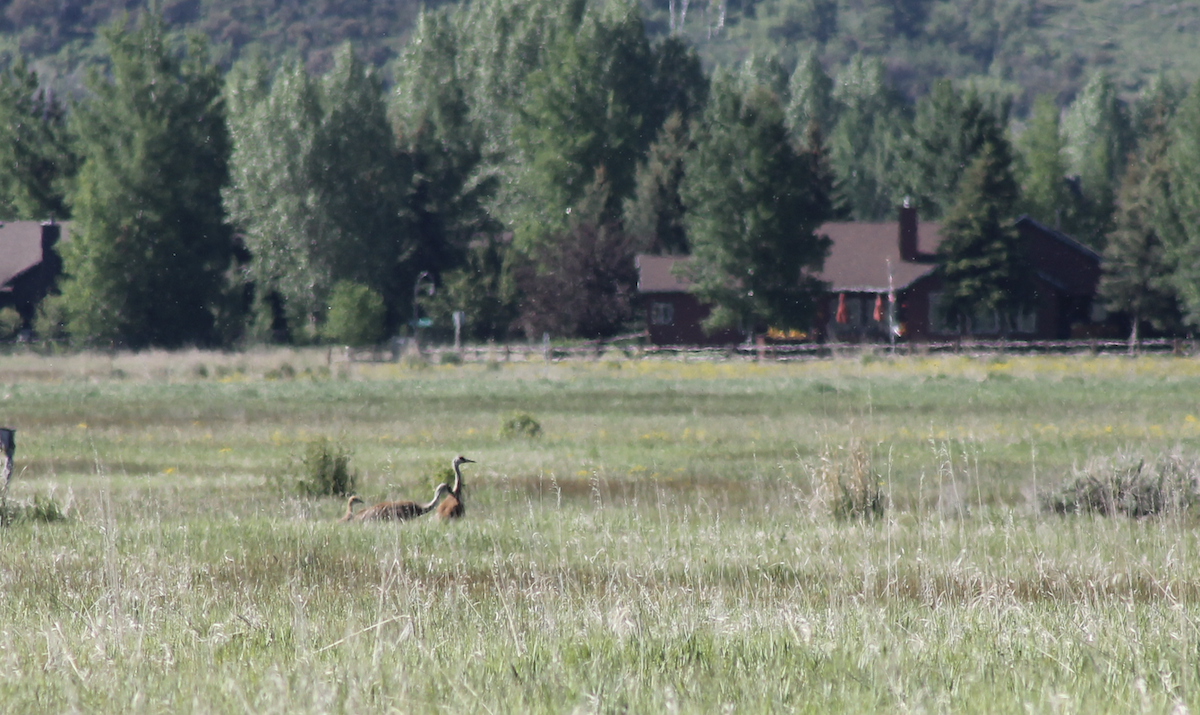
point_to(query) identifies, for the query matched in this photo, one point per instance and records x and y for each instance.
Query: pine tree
(35, 149)
(1137, 275)
(949, 131)
(754, 203)
(983, 266)
(147, 258)
(1044, 192)
(1184, 167)
(811, 98)
(654, 216)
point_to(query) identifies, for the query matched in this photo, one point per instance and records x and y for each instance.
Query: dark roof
(20, 249)
(1060, 237)
(859, 257)
(857, 262)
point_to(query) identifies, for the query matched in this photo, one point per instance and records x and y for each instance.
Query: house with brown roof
(868, 263)
(29, 265)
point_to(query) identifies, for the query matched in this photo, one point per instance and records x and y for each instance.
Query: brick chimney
(908, 233)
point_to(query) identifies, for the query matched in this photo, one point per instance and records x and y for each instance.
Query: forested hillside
(1024, 47)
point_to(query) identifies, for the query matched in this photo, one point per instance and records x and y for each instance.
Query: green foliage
(1137, 276)
(1099, 137)
(356, 315)
(811, 100)
(10, 323)
(520, 424)
(435, 129)
(1044, 190)
(984, 268)
(149, 247)
(35, 150)
(1184, 165)
(325, 469)
(754, 202)
(864, 145)
(950, 129)
(316, 184)
(590, 106)
(482, 288)
(655, 214)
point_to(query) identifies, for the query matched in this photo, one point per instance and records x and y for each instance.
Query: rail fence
(631, 347)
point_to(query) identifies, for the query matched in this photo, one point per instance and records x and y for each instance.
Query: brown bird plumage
(393, 510)
(452, 507)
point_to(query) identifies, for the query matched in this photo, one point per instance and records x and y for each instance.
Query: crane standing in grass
(452, 507)
(392, 510)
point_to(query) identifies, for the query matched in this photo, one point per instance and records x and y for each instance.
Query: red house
(869, 261)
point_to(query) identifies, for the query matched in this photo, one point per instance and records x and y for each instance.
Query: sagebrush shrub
(853, 489)
(1129, 485)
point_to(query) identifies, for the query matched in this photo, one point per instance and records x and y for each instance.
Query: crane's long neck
(437, 496)
(456, 490)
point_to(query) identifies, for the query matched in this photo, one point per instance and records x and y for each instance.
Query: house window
(662, 314)
(937, 316)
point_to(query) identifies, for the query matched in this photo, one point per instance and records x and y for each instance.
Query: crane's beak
(464, 460)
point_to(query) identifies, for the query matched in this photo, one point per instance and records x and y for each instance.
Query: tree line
(527, 151)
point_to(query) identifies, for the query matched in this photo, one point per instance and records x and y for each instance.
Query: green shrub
(325, 470)
(520, 424)
(450, 359)
(1127, 485)
(50, 322)
(355, 317)
(10, 322)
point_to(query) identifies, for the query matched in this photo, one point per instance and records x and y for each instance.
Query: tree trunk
(1134, 341)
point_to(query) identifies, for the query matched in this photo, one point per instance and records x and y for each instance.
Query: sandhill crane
(350, 507)
(395, 510)
(8, 443)
(452, 507)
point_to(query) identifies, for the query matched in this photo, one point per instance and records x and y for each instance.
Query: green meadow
(666, 544)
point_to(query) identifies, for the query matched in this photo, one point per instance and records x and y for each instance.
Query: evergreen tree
(864, 145)
(655, 214)
(1137, 276)
(1184, 167)
(1098, 136)
(983, 266)
(811, 98)
(949, 131)
(35, 149)
(482, 288)
(146, 260)
(1044, 192)
(754, 203)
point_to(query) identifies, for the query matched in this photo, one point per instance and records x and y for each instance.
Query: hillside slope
(1026, 47)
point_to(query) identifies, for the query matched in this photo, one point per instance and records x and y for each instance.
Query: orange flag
(878, 308)
(842, 316)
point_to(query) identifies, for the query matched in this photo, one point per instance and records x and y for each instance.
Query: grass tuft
(851, 486)
(1129, 485)
(45, 510)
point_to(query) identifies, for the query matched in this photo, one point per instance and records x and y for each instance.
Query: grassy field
(666, 545)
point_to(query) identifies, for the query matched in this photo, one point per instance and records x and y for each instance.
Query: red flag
(842, 316)
(878, 308)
